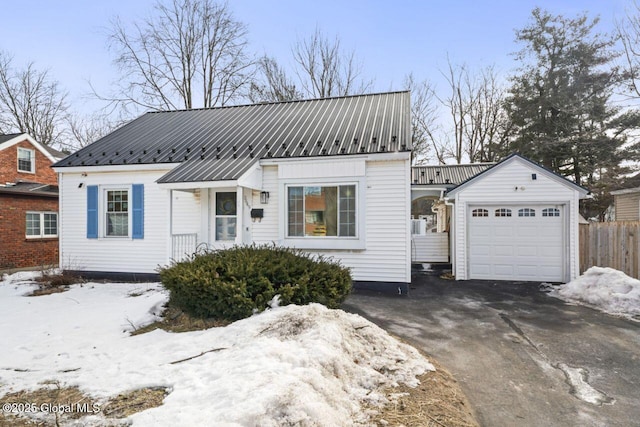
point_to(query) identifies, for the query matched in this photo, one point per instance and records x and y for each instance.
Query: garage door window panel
(526, 212)
(547, 212)
(503, 212)
(480, 213)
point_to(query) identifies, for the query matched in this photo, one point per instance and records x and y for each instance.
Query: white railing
(183, 245)
(418, 226)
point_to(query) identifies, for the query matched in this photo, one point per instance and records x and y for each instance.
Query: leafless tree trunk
(326, 70)
(427, 140)
(458, 104)
(192, 53)
(628, 31)
(31, 102)
(478, 118)
(488, 125)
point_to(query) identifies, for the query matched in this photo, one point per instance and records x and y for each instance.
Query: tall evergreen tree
(560, 101)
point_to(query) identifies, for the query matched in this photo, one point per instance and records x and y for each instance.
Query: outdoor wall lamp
(264, 197)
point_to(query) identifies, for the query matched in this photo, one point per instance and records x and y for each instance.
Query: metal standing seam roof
(446, 174)
(222, 143)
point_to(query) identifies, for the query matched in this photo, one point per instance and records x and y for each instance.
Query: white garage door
(517, 242)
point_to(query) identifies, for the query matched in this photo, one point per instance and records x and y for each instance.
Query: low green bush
(233, 283)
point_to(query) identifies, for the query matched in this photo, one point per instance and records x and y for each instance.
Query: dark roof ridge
(258, 104)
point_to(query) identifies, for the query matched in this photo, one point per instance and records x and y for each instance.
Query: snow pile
(292, 365)
(606, 289)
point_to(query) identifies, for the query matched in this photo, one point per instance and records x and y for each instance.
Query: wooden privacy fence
(610, 244)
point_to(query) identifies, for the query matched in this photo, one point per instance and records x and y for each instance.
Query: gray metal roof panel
(446, 174)
(30, 189)
(7, 137)
(372, 123)
(209, 170)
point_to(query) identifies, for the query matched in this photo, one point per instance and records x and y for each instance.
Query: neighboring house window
(117, 213)
(550, 212)
(503, 212)
(42, 224)
(526, 212)
(226, 215)
(321, 211)
(26, 160)
(479, 212)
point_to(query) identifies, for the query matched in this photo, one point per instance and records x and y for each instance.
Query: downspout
(452, 233)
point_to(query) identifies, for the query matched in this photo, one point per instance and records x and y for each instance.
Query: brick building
(28, 203)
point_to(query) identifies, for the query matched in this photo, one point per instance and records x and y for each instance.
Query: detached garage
(515, 221)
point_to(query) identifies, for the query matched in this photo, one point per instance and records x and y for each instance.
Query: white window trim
(32, 154)
(324, 242)
(41, 215)
(102, 210)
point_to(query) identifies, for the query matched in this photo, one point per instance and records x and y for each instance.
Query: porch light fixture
(264, 197)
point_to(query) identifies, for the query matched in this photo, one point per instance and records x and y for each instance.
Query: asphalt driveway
(522, 357)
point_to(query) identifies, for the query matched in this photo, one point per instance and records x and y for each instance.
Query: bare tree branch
(277, 86)
(325, 70)
(191, 53)
(31, 102)
(427, 140)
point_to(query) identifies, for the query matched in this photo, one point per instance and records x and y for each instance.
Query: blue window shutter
(92, 211)
(138, 211)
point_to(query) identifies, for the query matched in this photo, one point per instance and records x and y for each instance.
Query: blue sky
(392, 38)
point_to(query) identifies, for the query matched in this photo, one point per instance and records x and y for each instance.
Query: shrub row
(234, 283)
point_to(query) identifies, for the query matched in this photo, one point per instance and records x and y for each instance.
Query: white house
(331, 176)
(513, 220)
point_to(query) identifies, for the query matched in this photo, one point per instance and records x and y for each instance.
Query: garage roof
(446, 174)
(582, 190)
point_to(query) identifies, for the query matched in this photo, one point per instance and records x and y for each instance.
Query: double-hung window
(41, 224)
(26, 160)
(317, 211)
(117, 213)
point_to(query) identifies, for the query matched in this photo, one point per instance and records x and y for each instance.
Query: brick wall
(16, 251)
(9, 166)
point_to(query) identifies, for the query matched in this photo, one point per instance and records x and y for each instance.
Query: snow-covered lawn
(606, 289)
(293, 365)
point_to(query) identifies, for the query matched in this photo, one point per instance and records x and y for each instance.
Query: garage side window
(503, 212)
(550, 212)
(526, 212)
(479, 212)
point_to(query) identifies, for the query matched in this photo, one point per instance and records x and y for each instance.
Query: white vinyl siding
(386, 255)
(430, 247)
(507, 185)
(117, 254)
(627, 206)
(266, 229)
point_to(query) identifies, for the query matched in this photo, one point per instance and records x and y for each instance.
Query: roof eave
(583, 192)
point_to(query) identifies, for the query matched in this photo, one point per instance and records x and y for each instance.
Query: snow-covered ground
(290, 365)
(606, 289)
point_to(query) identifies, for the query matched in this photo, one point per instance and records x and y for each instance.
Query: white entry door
(517, 242)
